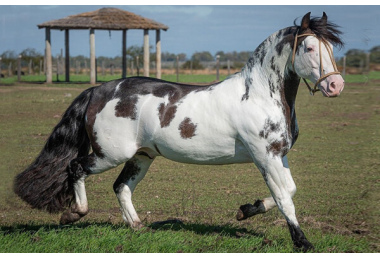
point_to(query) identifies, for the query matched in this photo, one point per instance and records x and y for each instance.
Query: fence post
(367, 62)
(40, 67)
(19, 68)
(344, 67)
(177, 69)
(10, 69)
(30, 67)
(0, 67)
(229, 67)
(138, 66)
(217, 67)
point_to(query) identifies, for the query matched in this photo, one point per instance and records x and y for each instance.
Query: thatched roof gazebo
(103, 19)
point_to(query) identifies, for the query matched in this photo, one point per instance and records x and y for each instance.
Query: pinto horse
(249, 117)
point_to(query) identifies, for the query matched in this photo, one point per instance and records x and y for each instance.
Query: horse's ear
(324, 19)
(305, 21)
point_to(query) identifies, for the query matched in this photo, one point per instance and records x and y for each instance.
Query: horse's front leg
(272, 169)
(264, 205)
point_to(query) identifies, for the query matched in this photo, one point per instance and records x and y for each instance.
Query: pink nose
(335, 88)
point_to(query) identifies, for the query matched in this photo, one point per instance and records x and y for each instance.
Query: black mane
(329, 31)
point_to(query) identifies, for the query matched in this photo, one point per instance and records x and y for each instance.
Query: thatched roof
(104, 19)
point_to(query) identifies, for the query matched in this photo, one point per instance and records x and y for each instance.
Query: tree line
(30, 57)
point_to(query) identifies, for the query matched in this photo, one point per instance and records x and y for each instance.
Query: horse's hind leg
(79, 169)
(80, 207)
(264, 205)
(132, 173)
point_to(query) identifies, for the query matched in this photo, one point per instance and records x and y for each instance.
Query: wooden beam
(146, 53)
(67, 56)
(49, 64)
(158, 54)
(92, 57)
(124, 54)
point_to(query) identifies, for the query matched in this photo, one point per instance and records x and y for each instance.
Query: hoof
(72, 215)
(299, 239)
(69, 217)
(304, 246)
(249, 210)
(137, 226)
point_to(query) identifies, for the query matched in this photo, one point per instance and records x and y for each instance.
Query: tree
(202, 56)
(375, 54)
(355, 58)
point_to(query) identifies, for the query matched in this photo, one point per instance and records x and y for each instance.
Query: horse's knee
(292, 189)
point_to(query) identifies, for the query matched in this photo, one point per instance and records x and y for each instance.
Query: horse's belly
(223, 152)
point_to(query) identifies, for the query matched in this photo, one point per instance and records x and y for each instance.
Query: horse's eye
(309, 49)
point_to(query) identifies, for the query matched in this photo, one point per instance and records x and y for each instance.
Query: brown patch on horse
(127, 108)
(187, 128)
(278, 147)
(166, 114)
(269, 127)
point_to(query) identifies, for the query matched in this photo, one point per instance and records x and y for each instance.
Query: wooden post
(111, 67)
(344, 67)
(10, 69)
(92, 57)
(158, 54)
(0, 67)
(367, 62)
(67, 55)
(228, 67)
(41, 66)
(177, 69)
(146, 53)
(19, 68)
(138, 65)
(48, 58)
(217, 67)
(124, 53)
(30, 67)
(57, 68)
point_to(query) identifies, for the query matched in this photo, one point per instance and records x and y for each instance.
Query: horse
(247, 118)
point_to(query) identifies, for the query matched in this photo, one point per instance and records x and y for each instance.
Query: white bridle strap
(329, 51)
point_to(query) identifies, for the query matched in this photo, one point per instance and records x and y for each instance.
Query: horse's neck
(266, 73)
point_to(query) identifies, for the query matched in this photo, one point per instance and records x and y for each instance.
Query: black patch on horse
(130, 171)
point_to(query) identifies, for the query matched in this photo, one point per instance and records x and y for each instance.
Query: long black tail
(46, 184)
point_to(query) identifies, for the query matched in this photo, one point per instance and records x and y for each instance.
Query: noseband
(329, 51)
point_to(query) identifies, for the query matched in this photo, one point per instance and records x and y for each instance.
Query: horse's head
(313, 58)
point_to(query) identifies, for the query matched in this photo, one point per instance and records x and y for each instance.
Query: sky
(192, 28)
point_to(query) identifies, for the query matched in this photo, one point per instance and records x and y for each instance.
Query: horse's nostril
(332, 86)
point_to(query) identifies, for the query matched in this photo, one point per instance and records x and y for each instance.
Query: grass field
(335, 164)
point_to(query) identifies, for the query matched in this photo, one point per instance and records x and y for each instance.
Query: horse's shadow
(172, 225)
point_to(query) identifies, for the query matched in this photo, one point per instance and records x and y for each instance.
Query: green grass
(169, 238)
(334, 164)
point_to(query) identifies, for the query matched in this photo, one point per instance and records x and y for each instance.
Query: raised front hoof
(303, 245)
(249, 210)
